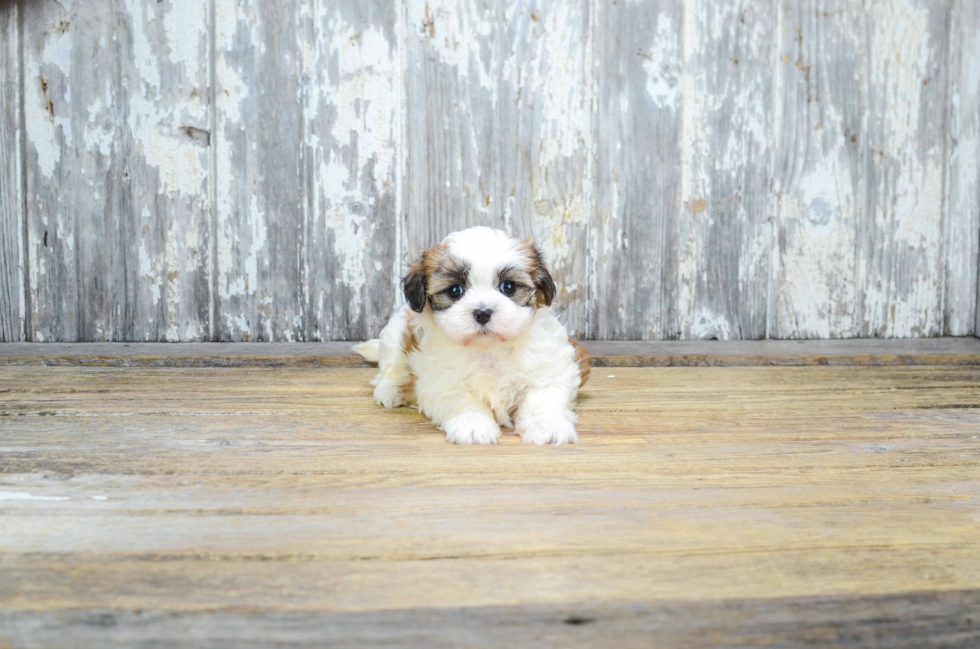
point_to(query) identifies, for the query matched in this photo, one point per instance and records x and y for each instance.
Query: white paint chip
(611, 376)
(23, 495)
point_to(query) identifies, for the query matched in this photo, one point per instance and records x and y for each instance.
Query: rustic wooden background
(264, 169)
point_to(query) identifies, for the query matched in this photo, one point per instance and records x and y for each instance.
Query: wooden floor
(704, 506)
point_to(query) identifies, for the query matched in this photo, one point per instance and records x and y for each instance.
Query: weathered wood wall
(264, 170)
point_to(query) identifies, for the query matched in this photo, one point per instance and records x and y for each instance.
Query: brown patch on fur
(583, 359)
(408, 390)
(415, 282)
(543, 284)
(435, 257)
(409, 342)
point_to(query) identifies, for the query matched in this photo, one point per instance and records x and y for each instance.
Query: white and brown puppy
(477, 347)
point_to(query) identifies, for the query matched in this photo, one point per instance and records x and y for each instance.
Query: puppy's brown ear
(414, 284)
(544, 286)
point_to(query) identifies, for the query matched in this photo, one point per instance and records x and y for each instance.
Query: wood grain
(692, 170)
(818, 176)
(637, 177)
(719, 288)
(499, 130)
(12, 295)
(260, 190)
(117, 146)
(788, 502)
(306, 187)
(908, 621)
(451, 94)
(860, 352)
(351, 90)
(962, 315)
(544, 142)
(901, 227)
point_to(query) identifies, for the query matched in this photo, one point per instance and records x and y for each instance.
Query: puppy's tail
(368, 349)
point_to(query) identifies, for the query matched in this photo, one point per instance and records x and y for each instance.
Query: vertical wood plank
(50, 140)
(638, 68)
(306, 154)
(259, 183)
(117, 147)
(451, 94)
(962, 317)
(499, 111)
(901, 233)
(718, 273)
(352, 75)
(12, 297)
(683, 173)
(543, 145)
(821, 72)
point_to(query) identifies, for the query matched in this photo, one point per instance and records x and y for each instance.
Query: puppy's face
(482, 285)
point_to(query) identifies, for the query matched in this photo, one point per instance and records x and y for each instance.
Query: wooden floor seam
(963, 351)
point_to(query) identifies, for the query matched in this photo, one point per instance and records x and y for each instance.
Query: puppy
(477, 347)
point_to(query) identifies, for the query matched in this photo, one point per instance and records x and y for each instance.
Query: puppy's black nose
(482, 315)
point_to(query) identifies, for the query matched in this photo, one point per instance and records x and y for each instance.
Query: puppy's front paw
(387, 393)
(541, 430)
(472, 428)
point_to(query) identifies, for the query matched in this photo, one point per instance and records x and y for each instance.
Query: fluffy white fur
(518, 370)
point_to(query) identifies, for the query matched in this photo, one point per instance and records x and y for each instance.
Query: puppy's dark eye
(455, 291)
(508, 288)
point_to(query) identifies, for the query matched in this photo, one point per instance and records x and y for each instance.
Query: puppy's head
(482, 285)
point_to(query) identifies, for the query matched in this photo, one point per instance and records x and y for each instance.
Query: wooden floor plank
(237, 505)
(700, 353)
(908, 621)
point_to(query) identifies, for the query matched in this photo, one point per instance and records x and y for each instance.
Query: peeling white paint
(707, 325)
(962, 317)
(239, 323)
(454, 36)
(182, 24)
(363, 95)
(144, 56)
(356, 84)
(556, 222)
(98, 136)
(190, 243)
(905, 297)
(172, 282)
(181, 164)
(661, 64)
(151, 270)
(557, 81)
(817, 297)
(22, 495)
(57, 52)
(518, 106)
(234, 91)
(693, 183)
(257, 219)
(47, 124)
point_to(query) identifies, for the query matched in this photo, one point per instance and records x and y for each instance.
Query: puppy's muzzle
(482, 316)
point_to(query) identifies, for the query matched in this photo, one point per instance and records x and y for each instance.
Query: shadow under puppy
(477, 347)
